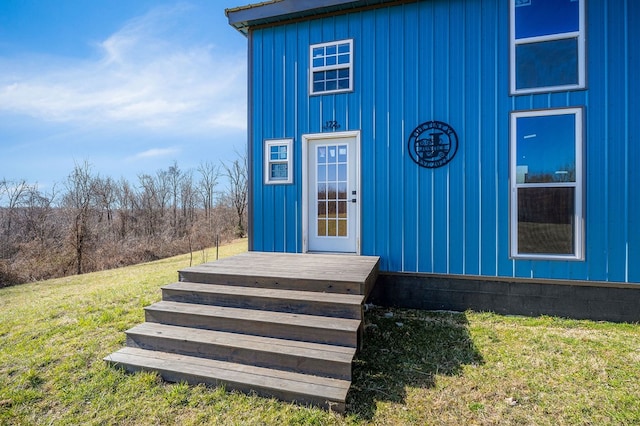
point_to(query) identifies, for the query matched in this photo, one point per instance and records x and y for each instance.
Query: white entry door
(332, 192)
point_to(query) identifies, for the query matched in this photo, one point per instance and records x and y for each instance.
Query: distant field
(416, 367)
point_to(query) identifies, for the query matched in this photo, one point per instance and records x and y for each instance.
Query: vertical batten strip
(626, 141)
(606, 194)
(496, 148)
(480, 136)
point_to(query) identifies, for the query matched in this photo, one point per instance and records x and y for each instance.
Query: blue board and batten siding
(449, 61)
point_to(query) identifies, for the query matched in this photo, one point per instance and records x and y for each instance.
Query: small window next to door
(277, 161)
(546, 184)
(547, 45)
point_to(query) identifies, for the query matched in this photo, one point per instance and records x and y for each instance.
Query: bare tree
(106, 202)
(174, 179)
(14, 192)
(237, 189)
(127, 203)
(78, 199)
(151, 200)
(209, 175)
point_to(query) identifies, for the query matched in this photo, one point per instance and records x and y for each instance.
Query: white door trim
(306, 140)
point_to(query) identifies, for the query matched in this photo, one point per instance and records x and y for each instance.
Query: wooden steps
(280, 325)
(289, 355)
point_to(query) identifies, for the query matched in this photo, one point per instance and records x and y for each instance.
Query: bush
(7, 277)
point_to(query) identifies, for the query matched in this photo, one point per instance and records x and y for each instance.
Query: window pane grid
(331, 67)
(331, 190)
(278, 161)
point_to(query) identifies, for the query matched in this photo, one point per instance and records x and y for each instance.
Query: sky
(128, 86)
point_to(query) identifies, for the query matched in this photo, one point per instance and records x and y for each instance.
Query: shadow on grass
(407, 348)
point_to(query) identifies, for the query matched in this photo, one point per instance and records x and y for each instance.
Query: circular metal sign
(433, 144)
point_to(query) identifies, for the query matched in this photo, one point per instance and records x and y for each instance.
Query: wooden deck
(278, 324)
(345, 274)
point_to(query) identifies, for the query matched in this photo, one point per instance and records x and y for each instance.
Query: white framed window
(278, 161)
(331, 69)
(547, 220)
(547, 45)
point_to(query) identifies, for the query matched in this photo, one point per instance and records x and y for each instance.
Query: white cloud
(155, 152)
(148, 74)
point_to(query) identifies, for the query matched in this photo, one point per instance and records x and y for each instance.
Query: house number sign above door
(433, 144)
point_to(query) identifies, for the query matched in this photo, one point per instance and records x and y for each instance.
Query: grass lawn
(416, 368)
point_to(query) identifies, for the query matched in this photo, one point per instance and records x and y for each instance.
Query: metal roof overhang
(269, 12)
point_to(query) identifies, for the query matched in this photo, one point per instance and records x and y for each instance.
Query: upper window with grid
(547, 45)
(331, 67)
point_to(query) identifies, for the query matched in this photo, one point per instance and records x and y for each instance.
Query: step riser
(193, 379)
(279, 283)
(254, 327)
(263, 303)
(285, 362)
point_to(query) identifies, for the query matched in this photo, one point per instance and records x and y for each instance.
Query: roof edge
(267, 12)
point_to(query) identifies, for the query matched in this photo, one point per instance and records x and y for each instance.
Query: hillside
(416, 368)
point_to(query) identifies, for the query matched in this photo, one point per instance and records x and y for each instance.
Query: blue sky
(129, 86)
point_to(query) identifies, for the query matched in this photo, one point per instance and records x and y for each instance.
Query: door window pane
(342, 228)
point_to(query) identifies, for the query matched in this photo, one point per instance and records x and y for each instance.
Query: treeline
(91, 223)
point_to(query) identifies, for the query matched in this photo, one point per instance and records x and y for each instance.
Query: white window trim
(580, 35)
(312, 69)
(578, 185)
(268, 161)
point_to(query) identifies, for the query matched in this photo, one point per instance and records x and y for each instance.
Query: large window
(331, 67)
(278, 160)
(547, 45)
(546, 184)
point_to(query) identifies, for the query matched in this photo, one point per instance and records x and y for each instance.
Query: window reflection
(545, 220)
(547, 64)
(546, 149)
(536, 18)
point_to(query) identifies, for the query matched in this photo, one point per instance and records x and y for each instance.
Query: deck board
(346, 274)
(325, 267)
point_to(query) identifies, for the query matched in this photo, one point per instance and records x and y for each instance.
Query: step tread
(329, 323)
(309, 386)
(235, 340)
(295, 295)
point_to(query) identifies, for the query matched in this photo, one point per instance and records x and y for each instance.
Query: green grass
(416, 367)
